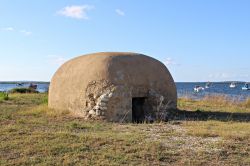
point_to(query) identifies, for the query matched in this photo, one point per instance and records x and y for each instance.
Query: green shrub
(4, 96)
(23, 90)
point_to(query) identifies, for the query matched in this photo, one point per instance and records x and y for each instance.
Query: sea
(41, 87)
(184, 89)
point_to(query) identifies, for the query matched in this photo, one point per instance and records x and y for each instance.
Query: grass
(3, 96)
(33, 134)
(215, 103)
(247, 103)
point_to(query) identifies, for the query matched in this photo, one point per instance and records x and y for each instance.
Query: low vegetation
(3, 96)
(247, 103)
(33, 134)
(23, 90)
(215, 103)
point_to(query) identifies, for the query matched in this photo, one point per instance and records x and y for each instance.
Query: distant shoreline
(212, 82)
(25, 82)
(47, 82)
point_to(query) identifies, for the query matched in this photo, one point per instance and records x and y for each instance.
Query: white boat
(208, 85)
(232, 85)
(198, 88)
(245, 87)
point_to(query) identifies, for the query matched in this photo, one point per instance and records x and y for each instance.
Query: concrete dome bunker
(116, 86)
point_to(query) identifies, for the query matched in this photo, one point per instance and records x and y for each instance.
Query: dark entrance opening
(138, 114)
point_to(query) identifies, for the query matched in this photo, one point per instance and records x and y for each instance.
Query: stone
(103, 96)
(103, 108)
(105, 99)
(96, 107)
(102, 104)
(110, 95)
(92, 112)
(98, 112)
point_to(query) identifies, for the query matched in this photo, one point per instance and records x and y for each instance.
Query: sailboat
(19, 84)
(245, 87)
(208, 85)
(198, 88)
(232, 85)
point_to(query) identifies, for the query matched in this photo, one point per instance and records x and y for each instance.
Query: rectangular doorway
(138, 114)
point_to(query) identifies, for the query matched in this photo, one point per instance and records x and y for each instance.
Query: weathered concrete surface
(102, 86)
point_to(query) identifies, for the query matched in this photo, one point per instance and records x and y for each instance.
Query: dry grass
(247, 103)
(32, 134)
(227, 130)
(214, 103)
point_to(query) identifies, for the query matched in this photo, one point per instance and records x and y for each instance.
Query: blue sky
(206, 40)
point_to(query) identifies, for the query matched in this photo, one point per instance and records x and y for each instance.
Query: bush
(4, 96)
(23, 90)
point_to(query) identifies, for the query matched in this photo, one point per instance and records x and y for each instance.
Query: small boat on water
(245, 87)
(208, 85)
(232, 85)
(198, 88)
(19, 84)
(33, 86)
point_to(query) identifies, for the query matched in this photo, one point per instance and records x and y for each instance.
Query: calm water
(186, 90)
(40, 87)
(183, 90)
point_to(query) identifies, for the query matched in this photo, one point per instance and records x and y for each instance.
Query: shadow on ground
(206, 115)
